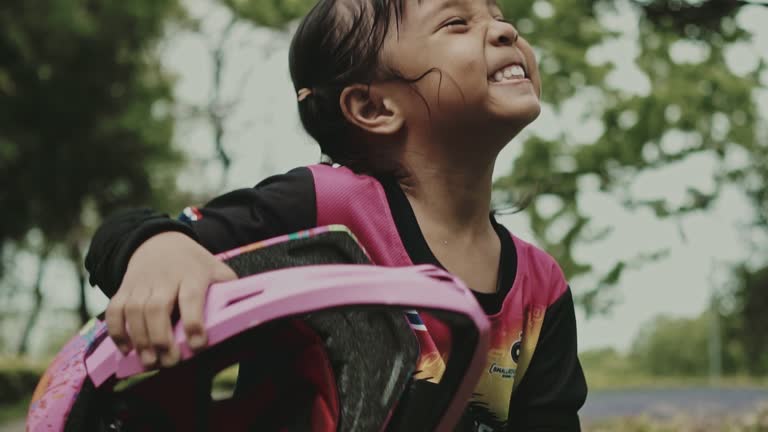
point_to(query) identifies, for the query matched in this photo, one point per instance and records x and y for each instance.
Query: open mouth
(510, 73)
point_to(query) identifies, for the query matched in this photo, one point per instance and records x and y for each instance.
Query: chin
(518, 117)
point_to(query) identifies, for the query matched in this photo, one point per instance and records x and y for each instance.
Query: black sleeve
(279, 205)
(553, 388)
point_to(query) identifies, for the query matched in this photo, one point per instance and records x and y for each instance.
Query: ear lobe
(365, 107)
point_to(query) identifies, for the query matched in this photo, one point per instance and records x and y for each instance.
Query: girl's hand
(168, 269)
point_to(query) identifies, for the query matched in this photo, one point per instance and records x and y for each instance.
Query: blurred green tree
(85, 118)
(269, 13)
(691, 108)
(680, 346)
(747, 321)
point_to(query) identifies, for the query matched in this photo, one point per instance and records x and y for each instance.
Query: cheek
(467, 61)
(457, 70)
(533, 66)
(464, 73)
(454, 75)
(475, 72)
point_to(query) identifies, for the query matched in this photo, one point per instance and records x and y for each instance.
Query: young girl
(415, 99)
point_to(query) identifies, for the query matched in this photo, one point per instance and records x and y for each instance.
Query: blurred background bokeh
(648, 170)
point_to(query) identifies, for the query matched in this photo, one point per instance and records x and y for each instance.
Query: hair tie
(304, 93)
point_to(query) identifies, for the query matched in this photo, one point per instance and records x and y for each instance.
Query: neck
(450, 190)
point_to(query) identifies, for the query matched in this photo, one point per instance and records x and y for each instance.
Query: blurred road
(664, 403)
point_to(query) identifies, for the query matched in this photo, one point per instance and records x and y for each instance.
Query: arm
(279, 205)
(553, 388)
(149, 264)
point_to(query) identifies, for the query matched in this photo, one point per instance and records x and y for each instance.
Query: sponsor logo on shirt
(516, 347)
(505, 372)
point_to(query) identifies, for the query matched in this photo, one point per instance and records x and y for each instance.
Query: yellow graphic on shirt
(531, 334)
(512, 346)
(431, 367)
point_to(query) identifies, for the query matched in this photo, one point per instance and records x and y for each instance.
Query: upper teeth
(513, 71)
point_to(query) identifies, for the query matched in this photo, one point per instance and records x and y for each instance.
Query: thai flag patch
(415, 320)
(190, 214)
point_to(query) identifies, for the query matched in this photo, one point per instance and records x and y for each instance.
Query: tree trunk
(755, 322)
(38, 306)
(82, 307)
(215, 107)
(76, 257)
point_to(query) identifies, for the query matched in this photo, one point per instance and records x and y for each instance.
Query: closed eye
(455, 22)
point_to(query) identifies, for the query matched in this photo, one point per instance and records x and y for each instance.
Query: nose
(501, 33)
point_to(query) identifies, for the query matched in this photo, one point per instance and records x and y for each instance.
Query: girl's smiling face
(477, 71)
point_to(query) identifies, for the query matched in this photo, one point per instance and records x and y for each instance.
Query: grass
(606, 369)
(13, 363)
(18, 378)
(14, 411)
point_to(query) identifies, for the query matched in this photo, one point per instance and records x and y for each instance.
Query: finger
(115, 319)
(191, 300)
(157, 314)
(170, 357)
(223, 273)
(137, 328)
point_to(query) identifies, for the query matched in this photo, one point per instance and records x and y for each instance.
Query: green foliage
(561, 31)
(605, 359)
(748, 321)
(14, 412)
(269, 13)
(708, 107)
(84, 112)
(607, 369)
(18, 379)
(680, 347)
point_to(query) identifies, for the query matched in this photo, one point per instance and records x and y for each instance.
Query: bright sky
(265, 137)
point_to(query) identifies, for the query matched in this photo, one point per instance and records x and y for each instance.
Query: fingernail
(148, 357)
(170, 358)
(196, 342)
(125, 349)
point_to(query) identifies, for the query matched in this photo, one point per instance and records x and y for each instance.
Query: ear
(369, 109)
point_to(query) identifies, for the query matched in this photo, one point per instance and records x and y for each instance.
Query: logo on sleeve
(190, 214)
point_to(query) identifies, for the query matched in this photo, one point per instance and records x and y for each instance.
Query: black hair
(336, 45)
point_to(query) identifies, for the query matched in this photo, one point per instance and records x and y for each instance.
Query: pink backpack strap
(359, 202)
(544, 280)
